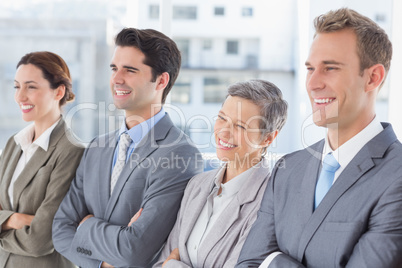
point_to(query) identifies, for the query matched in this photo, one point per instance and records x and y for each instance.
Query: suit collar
(38, 160)
(246, 194)
(231, 214)
(146, 147)
(360, 164)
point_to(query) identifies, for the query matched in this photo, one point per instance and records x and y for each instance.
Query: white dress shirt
(213, 208)
(344, 154)
(24, 139)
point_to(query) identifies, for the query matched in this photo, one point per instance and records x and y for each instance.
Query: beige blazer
(221, 247)
(38, 191)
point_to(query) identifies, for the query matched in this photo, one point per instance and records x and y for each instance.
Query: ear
(269, 138)
(60, 91)
(376, 77)
(162, 81)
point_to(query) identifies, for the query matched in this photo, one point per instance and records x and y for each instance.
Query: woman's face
(37, 101)
(237, 133)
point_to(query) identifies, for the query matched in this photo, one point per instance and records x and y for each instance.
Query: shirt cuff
(269, 259)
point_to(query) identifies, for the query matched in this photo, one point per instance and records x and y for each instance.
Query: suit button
(79, 249)
(89, 253)
(86, 252)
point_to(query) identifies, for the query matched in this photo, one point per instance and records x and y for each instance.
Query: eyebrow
(26, 82)
(232, 120)
(126, 67)
(327, 62)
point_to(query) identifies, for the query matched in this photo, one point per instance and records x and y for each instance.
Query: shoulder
(203, 177)
(300, 157)
(9, 148)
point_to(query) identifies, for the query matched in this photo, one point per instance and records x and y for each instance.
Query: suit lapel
(8, 174)
(353, 172)
(147, 146)
(38, 160)
(193, 210)
(105, 170)
(305, 200)
(231, 213)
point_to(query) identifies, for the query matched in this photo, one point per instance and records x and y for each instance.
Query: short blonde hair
(373, 44)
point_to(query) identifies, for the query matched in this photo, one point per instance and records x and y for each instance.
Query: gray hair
(268, 97)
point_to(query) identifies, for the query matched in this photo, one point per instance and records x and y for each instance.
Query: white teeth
(323, 100)
(224, 144)
(26, 107)
(121, 92)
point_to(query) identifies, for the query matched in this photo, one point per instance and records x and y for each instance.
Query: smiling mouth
(324, 101)
(27, 107)
(122, 92)
(226, 145)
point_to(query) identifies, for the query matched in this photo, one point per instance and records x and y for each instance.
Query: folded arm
(261, 241)
(24, 231)
(384, 232)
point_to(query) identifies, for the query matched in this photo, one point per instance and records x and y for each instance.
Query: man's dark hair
(161, 52)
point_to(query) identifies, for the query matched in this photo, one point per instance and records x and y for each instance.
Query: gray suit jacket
(37, 191)
(357, 224)
(153, 179)
(222, 246)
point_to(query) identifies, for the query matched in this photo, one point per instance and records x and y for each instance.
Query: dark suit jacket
(154, 179)
(37, 191)
(357, 224)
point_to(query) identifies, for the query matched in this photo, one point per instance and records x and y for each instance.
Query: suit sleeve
(261, 240)
(72, 209)
(381, 245)
(136, 245)
(173, 239)
(234, 254)
(36, 240)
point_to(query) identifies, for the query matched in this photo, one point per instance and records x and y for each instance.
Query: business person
(37, 164)
(219, 206)
(346, 213)
(142, 167)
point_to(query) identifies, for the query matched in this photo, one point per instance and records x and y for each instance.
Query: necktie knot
(330, 164)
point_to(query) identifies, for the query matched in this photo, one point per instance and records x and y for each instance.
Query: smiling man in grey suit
(143, 167)
(348, 214)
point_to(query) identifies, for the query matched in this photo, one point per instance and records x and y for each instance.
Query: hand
(105, 264)
(175, 255)
(85, 218)
(135, 217)
(17, 221)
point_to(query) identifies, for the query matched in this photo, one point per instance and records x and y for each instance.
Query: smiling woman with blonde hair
(219, 206)
(37, 164)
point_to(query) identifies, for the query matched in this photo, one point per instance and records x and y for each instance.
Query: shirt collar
(234, 185)
(137, 132)
(25, 136)
(347, 151)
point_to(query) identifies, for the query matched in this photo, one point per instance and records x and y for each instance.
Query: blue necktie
(329, 167)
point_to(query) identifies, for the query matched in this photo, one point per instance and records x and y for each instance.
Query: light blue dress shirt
(137, 133)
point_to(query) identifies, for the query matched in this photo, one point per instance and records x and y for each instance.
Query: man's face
(130, 82)
(335, 86)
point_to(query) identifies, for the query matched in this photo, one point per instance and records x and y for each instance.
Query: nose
(117, 78)
(224, 128)
(20, 95)
(314, 80)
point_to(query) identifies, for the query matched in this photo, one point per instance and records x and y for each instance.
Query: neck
(234, 169)
(134, 118)
(337, 136)
(41, 127)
